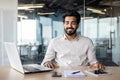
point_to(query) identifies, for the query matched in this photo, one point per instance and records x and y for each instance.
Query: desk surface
(7, 73)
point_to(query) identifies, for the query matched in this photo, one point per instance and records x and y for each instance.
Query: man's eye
(66, 22)
(74, 23)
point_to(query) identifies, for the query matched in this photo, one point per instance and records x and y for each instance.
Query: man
(71, 49)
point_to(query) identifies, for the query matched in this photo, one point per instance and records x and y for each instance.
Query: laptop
(15, 61)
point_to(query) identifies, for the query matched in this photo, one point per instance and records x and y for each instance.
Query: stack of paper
(73, 73)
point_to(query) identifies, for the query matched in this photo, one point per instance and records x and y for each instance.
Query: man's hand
(50, 64)
(97, 66)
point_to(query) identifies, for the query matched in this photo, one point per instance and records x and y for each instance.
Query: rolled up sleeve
(91, 53)
(50, 53)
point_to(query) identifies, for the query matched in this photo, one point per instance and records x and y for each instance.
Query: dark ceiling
(62, 5)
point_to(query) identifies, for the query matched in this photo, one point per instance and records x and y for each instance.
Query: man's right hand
(50, 64)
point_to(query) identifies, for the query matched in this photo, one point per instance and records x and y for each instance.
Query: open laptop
(15, 61)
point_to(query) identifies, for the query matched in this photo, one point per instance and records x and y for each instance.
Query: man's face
(70, 25)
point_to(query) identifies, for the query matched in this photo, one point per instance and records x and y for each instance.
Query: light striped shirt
(77, 52)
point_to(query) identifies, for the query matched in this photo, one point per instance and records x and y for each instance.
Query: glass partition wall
(36, 30)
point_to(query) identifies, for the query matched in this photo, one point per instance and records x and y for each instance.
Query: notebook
(15, 61)
(73, 73)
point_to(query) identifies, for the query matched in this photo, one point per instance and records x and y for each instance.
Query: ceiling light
(29, 9)
(45, 13)
(105, 9)
(22, 16)
(90, 17)
(96, 11)
(29, 6)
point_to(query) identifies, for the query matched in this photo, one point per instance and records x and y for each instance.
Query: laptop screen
(13, 56)
(15, 61)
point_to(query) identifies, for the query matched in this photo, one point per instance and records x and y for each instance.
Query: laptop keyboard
(35, 67)
(30, 68)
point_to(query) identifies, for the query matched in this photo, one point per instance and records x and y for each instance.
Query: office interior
(31, 24)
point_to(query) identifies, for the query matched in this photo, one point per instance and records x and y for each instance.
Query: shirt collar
(65, 38)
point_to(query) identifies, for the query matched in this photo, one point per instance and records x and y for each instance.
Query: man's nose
(70, 24)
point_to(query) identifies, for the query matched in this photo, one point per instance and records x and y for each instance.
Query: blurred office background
(35, 22)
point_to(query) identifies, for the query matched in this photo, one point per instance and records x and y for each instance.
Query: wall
(8, 25)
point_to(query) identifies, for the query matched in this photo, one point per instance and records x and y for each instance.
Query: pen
(75, 72)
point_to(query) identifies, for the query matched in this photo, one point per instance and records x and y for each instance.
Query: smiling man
(71, 49)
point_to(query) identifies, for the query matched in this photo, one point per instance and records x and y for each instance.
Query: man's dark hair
(72, 13)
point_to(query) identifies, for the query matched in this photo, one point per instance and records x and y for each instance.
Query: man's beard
(70, 32)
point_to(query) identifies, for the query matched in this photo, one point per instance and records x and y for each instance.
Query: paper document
(73, 73)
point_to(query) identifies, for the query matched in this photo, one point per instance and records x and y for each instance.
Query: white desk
(7, 73)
